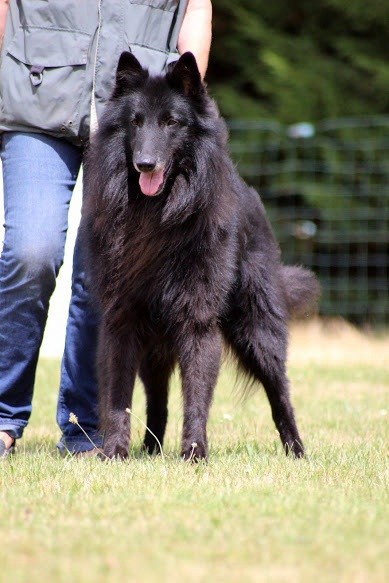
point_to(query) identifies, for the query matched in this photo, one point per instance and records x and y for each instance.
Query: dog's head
(161, 116)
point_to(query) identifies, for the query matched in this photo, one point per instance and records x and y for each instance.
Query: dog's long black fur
(181, 257)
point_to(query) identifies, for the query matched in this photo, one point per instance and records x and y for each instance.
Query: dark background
(304, 87)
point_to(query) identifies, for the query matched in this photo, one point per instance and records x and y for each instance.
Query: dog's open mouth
(151, 183)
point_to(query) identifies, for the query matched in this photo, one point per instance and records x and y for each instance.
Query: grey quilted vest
(56, 51)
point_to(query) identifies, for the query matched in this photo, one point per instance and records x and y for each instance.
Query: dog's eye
(136, 121)
(171, 122)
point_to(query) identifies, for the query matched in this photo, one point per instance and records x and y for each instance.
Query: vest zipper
(93, 114)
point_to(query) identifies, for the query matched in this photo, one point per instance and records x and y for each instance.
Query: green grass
(248, 515)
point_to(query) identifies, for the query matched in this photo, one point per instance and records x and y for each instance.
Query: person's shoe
(4, 450)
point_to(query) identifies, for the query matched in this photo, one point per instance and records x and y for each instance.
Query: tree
(296, 60)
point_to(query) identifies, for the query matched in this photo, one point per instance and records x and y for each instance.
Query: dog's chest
(171, 274)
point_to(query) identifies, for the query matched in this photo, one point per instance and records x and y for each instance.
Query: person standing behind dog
(57, 69)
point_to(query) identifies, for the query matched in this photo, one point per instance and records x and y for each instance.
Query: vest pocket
(150, 24)
(43, 79)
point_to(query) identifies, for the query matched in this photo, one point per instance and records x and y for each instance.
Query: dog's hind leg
(155, 371)
(258, 337)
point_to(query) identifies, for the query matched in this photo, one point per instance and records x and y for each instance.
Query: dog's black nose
(146, 166)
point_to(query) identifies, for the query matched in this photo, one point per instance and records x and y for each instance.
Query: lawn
(248, 515)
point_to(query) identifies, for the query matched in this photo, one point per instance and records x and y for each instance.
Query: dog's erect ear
(129, 74)
(184, 75)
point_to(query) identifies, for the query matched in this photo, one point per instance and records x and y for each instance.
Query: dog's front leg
(116, 369)
(199, 359)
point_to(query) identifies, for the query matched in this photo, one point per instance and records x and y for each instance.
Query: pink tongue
(149, 182)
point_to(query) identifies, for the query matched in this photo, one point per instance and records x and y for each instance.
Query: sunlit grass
(249, 514)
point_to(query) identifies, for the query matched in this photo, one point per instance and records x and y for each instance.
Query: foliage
(300, 60)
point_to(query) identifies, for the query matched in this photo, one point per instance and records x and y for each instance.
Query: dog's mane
(201, 184)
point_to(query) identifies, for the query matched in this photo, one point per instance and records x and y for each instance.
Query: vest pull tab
(36, 74)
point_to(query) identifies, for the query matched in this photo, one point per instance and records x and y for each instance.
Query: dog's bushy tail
(302, 290)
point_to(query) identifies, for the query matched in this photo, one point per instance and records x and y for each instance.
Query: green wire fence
(326, 191)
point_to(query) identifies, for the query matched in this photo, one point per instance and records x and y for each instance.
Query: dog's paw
(194, 452)
(151, 445)
(294, 449)
(115, 451)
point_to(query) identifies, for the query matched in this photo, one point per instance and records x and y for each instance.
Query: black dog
(181, 256)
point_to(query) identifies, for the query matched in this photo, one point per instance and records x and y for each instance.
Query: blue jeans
(39, 174)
